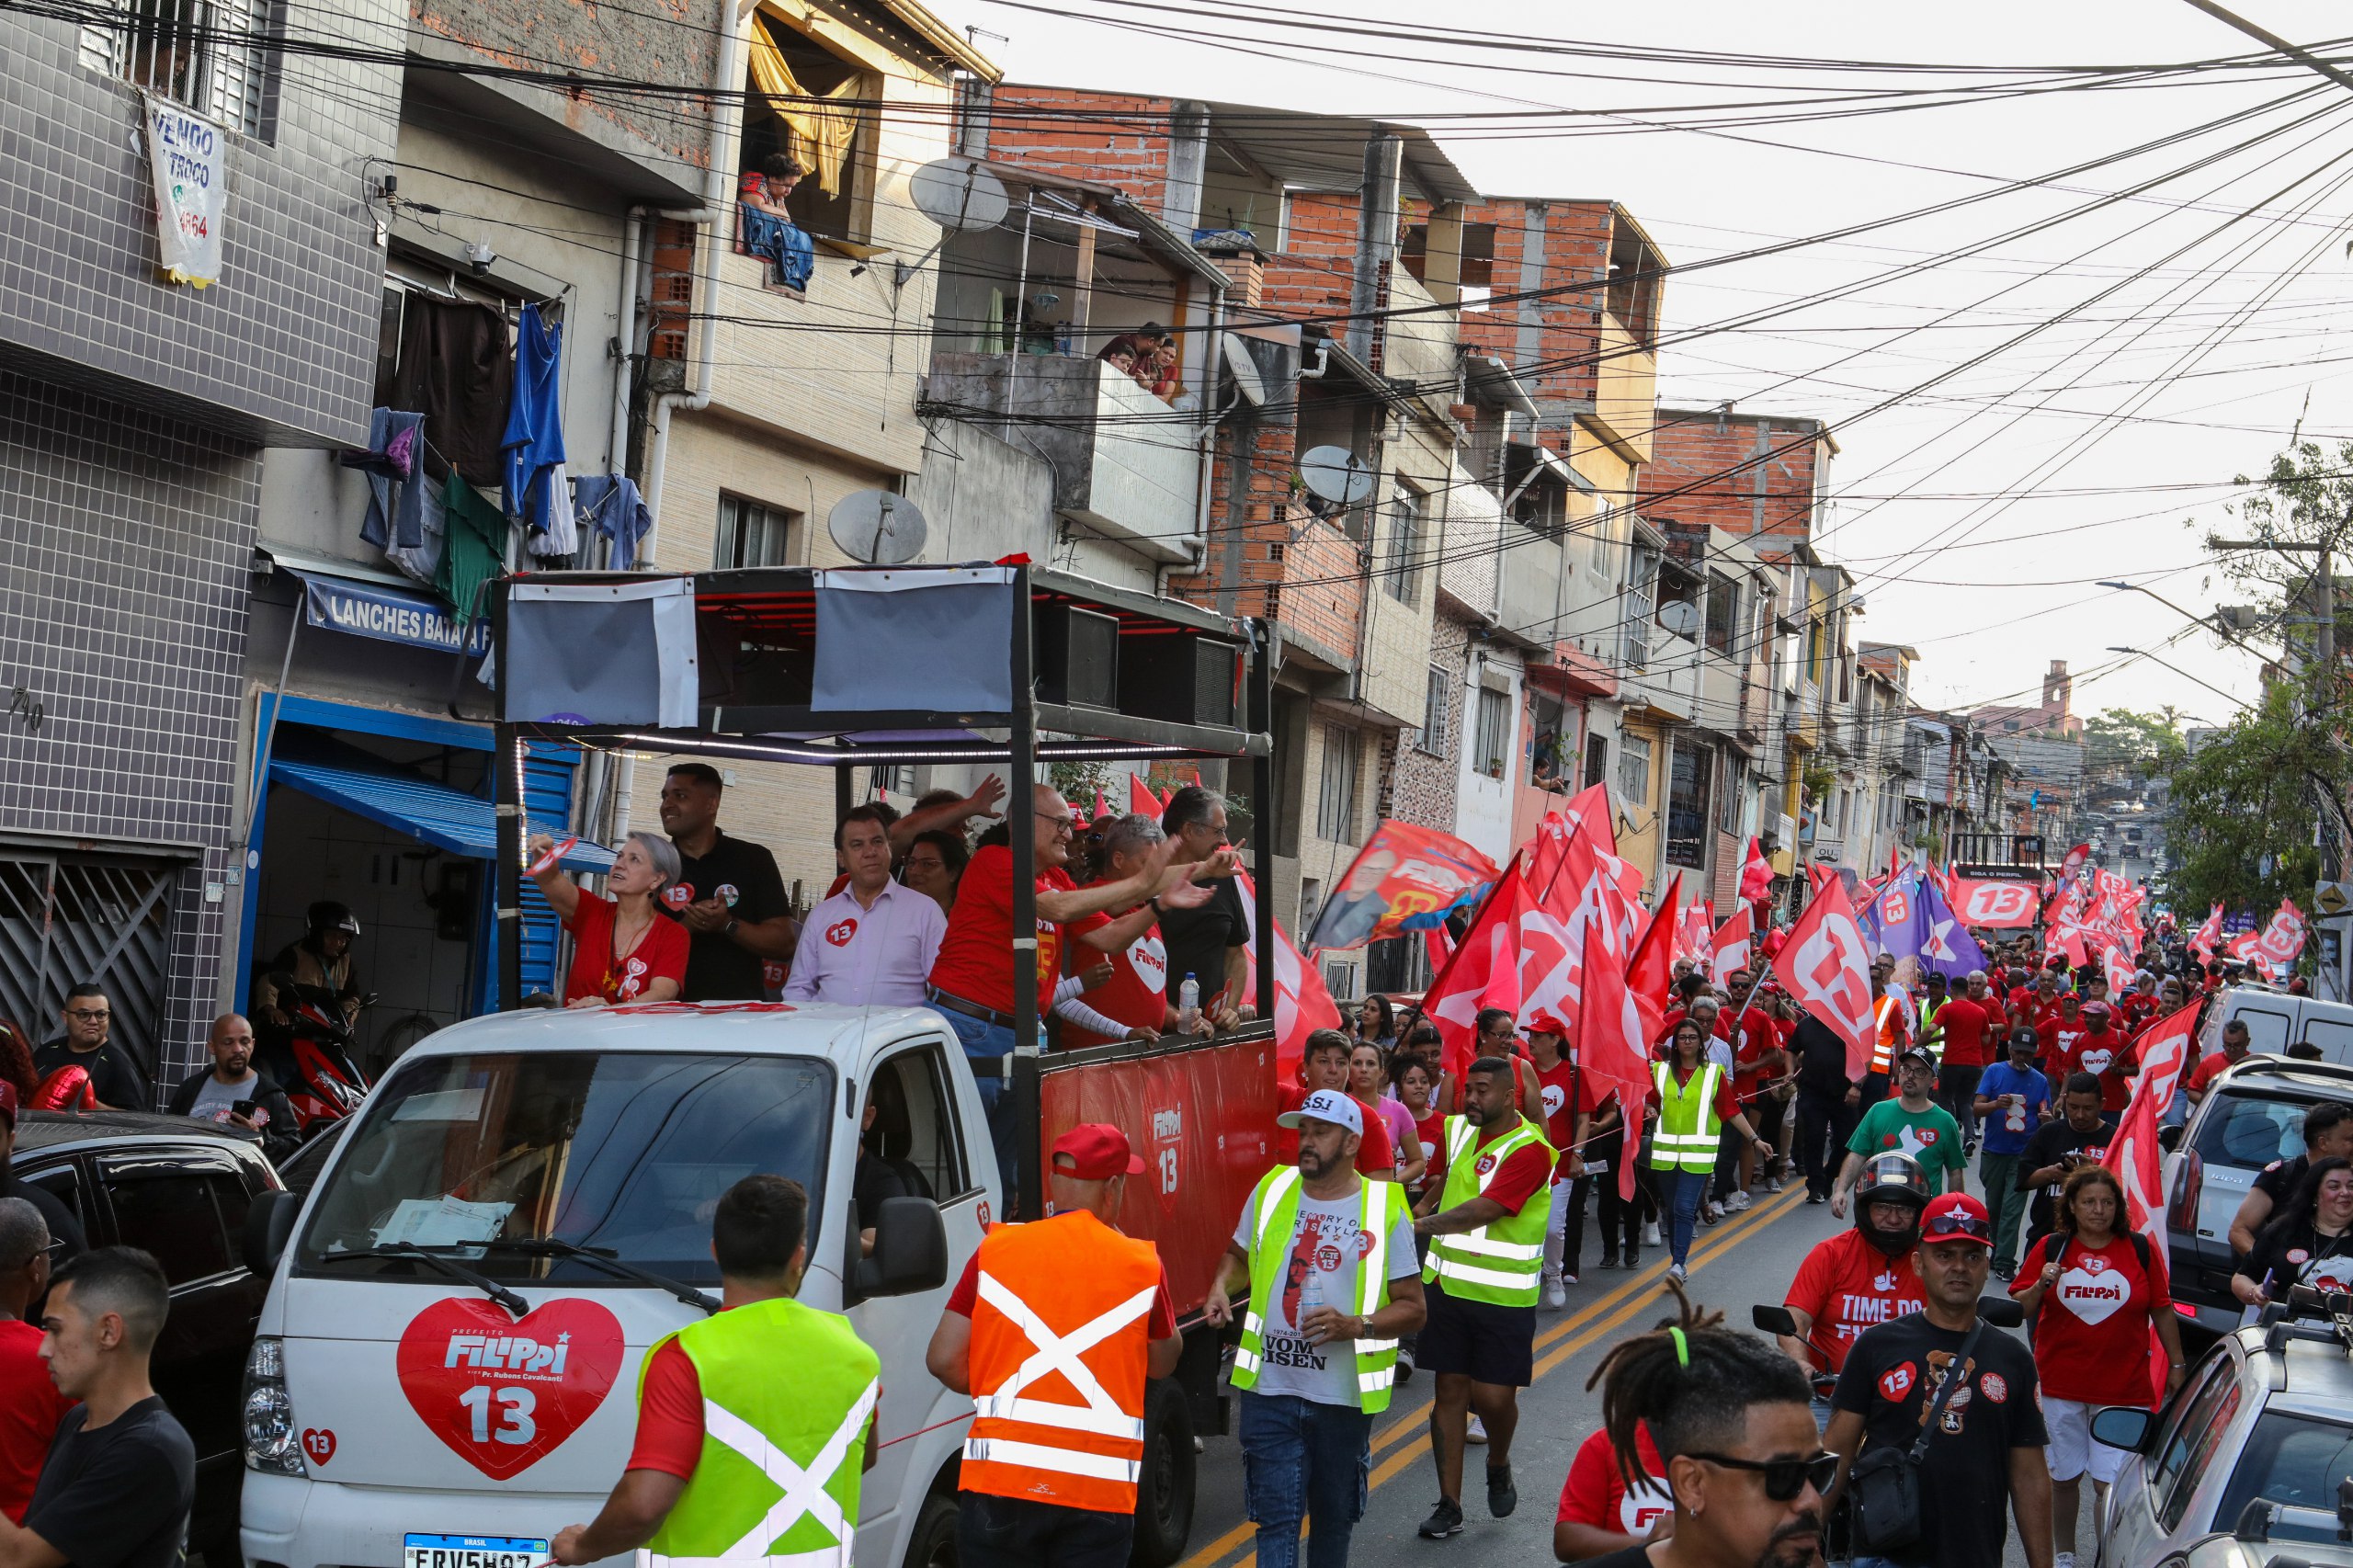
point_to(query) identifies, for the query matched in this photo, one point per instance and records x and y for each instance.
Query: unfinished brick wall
(1255, 566)
(1696, 475)
(1559, 250)
(1108, 138)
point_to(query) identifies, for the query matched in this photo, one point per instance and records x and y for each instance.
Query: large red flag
(2283, 939)
(1620, 1008)
(1755, 874)
(2164, 1048)
(1826, 965)
(2203, 940)
(1302, 1004)
(1483, 973)
(1733, 942)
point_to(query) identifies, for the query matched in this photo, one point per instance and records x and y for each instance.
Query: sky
(2099, 381)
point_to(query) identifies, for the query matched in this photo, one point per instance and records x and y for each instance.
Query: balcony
(1668, 681)
(1125, 463)
(1528, 584)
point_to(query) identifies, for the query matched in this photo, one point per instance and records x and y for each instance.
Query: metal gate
(68, 918)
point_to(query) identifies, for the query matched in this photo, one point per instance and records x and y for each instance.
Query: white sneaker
(1556, 1295)
(1772, 1184)
(1476, 1432)
(1567, 1278)
(1737, 1202)
(2064, 1560)
(1650, 1234)
(1678, 1273)
(1715, 1211)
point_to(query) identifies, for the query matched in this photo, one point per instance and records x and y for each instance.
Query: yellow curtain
(821, 133)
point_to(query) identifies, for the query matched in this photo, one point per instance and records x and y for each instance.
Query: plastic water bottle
(1311, 1294)
(1189, 1005)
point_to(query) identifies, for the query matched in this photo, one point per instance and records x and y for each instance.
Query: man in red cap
(1047, 1480)
(64, 1231)
(1986, 1454)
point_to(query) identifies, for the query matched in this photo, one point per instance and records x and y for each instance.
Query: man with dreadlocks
(1729, 1415)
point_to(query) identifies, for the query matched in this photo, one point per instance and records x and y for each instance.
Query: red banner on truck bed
(1202, 1118)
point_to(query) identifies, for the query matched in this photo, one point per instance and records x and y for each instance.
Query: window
(1642, 577)
(211, 55)
(1552, 757)
(808, 103)
(1403, 578)
(1397, 963)
(1723, 614)
(1437, 702)
(1336, 803)
(173, 1217)
(914, 1130)
(2292, 1459)
(1634, 769)
(1492, 746)
(64, 1184)
(1597, 759)
(753, 535)
(1686, 806)
(1729, 798)
(897, 779)
(1311, 902)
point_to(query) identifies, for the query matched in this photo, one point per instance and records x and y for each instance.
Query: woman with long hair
(2308, 1242)
(1683, 1150)
(2094, 1290)
(625, 947)
(16, 1061)
(1377, 1021)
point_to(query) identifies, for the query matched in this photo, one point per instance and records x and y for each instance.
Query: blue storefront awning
(434, 813)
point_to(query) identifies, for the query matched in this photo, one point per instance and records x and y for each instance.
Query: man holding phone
(235, 1093)
(2060, 1148)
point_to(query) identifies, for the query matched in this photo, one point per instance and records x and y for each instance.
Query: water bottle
(1189, 1005)
(1311, 1296)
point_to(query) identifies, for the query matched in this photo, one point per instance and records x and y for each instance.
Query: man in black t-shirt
(2329, 1134)
(1829, 1105)
(1211, 943)
(114, 1077)
(121, 1477)
(1984, 1460)
(728, 895)
(2078, 1138)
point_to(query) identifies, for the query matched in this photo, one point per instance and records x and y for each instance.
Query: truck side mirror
(2000, 1311)
(269, 1225)
(910, 1250)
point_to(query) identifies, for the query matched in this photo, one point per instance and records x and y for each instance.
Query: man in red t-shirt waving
(1861, 1277)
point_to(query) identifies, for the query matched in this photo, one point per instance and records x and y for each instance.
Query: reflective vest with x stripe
(787, 1393)
(1061, 1320)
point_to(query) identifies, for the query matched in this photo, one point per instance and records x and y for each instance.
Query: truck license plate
(472, 1552)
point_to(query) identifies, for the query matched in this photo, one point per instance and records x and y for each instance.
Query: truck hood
(431, 1386)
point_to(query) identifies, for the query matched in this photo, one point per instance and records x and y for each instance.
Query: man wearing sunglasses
(1985, 1458)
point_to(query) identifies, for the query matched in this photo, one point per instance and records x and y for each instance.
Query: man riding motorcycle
(1861, 1277)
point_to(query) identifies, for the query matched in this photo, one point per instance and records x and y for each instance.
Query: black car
(179, 1190)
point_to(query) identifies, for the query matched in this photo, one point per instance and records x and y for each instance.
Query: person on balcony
(764, 229)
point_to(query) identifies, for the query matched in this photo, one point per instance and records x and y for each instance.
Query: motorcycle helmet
(328, 916)
(1891, 1179)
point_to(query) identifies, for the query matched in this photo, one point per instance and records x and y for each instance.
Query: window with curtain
(753, 535)
(809, 103)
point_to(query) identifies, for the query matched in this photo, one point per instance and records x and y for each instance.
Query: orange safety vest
(1060, 1346)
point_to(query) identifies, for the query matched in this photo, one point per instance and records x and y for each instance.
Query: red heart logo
(840, 932)
(504, 1395)
(319, 1443)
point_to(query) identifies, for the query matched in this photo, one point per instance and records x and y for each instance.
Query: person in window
(764, 229)
(624, 948)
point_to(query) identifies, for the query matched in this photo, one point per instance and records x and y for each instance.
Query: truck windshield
(621, 1152)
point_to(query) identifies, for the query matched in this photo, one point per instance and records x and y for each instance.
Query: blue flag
(1911, 919)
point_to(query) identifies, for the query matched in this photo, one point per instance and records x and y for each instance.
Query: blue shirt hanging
(534, 439)
(610, 504)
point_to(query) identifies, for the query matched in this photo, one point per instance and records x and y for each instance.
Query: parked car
(178, 1189)
(2275, 1020)
(2267, 1416)
(2252, 1115)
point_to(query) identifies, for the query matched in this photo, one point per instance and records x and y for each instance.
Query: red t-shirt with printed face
(1965, 1023)
(1845, 1285)
(975, 960)
(2091, 1336)
(1137, 993)
(1376, 1152)
(1595, 1494)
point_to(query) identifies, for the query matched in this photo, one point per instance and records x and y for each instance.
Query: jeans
(2000, 1175)
(1301, 1460)
(1824, 1117)
(1681, 1189)
(1019, 1532)
(1956, 1091)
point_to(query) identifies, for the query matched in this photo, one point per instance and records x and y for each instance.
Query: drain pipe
(1213, 362)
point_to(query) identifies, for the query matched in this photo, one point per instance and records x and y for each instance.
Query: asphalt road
(1745, 1260)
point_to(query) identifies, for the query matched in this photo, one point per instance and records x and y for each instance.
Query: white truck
(446, 1371)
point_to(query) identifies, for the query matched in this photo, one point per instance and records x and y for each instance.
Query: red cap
(8, 1101)
(1956, 1217)
(1097, 1152)
(1545, 1023)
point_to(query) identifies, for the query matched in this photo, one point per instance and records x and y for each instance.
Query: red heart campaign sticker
(504, 1395)
(319, 1443)
(840, 932)
(1896, 1382)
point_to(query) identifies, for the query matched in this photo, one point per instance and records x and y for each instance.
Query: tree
(2244, 806)
(2122, 741)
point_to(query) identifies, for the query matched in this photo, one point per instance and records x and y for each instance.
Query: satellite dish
(878, 528)
(1335, 474)
(1245, 371)
(957, 194)
(1675, 615)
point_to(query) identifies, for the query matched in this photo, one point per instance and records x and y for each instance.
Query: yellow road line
(1619, 1304)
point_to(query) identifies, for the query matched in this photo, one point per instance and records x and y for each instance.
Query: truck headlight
(273, 1440)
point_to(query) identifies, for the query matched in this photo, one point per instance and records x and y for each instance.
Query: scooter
(311, 1058)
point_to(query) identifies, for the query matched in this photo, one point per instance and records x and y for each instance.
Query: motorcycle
(310, 1055)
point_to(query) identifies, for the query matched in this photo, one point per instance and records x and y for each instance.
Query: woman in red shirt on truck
(624, 948)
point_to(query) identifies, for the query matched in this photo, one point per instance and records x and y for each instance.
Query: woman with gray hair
(624, 948)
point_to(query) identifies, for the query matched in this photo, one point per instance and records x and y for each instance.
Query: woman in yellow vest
(1329, 1259)
(718, 1419)
(1695, 1103)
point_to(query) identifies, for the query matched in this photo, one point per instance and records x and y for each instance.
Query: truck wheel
(1164, 1486)
(933, 1544)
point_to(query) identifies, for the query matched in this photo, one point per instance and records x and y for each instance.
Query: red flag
(1102, 807)
(1439, 943)
(1483, 973)
(1992, 903)
(2133, 1153)
(1142, 798)
(1667, 910)
(2282, 939)
(1733, 941)
(1302, 1004)
(1585, 815)
(2203, 940)
(1620, 1011)
(1826, 966)
(1755, 874)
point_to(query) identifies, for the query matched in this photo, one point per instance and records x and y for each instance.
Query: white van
(440, 1380)
(2276, 1020)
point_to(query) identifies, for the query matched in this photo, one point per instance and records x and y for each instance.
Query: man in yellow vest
(753, 1425)
(1486, 1223)
(1328, 1257)
(1053, 1331)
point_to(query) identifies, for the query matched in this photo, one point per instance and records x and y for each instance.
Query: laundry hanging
(396, 480)
(609, 503)
(473, 549)
(457, 369)
(822, 125)
(534, 439)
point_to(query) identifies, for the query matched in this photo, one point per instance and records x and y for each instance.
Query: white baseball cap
(1326, 1105)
